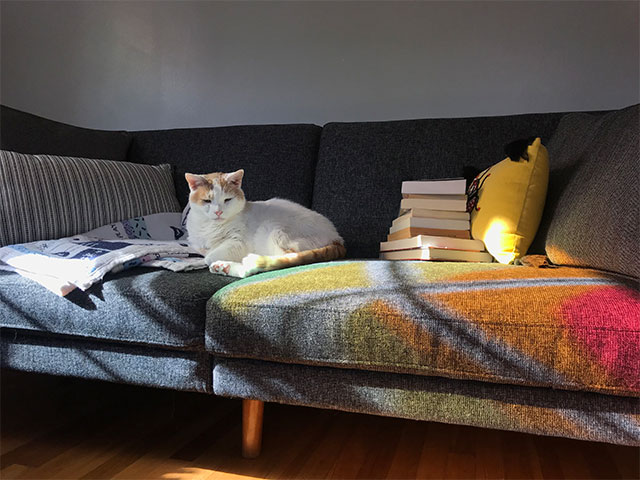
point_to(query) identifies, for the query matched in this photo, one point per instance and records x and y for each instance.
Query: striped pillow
(45, 197)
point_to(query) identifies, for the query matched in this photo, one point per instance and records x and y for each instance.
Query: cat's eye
(206, 200)
(226, 200)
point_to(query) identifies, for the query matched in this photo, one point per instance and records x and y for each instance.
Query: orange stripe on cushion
(521, 272)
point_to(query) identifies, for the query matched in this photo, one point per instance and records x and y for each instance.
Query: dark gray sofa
(187, 331)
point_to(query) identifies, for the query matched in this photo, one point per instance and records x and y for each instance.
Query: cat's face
(217, 195)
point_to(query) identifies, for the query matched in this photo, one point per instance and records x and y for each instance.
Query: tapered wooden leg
(252, 414)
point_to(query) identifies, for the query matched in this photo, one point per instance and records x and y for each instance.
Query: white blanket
(80, 261)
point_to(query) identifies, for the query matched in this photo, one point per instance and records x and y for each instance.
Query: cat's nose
(218, 213)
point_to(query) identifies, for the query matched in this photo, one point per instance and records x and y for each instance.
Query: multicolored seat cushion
(568, 328)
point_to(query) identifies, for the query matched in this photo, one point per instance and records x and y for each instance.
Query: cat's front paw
(220, 267)
(231, 269)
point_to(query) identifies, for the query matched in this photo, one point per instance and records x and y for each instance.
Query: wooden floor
(67, 428)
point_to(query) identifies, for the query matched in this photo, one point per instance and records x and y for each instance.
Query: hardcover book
(412, 232)
(432, 253)
(457, 203)
(439, 223)
(443, 186)
(426, 213)
(422, 241)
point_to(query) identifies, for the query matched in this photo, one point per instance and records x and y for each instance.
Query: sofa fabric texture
(279, 160)
(361, 166)
(594, 198)
(542, 411)
(60, 355)
(564, 328)
(26, 133)
(138, 306)
(46, 197)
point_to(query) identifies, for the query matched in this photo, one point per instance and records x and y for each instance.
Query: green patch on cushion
(268, 276)
(308, 278)
(379, 335)
(371, 340)
(484, 412)
(451, 408)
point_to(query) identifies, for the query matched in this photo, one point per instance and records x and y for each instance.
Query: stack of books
(433, 224)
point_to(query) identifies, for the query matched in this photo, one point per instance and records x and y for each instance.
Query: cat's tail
(264, 263)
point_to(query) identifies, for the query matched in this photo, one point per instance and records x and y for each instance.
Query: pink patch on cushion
(607, 322)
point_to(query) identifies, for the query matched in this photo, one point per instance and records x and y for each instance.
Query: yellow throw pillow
(510, 201)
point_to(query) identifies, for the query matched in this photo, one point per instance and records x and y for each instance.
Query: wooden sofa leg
(252, 414)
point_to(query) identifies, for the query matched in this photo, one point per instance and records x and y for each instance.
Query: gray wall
(147, 65)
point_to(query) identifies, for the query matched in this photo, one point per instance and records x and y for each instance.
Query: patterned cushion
(44, 197)
(594, 197)
(565, 327)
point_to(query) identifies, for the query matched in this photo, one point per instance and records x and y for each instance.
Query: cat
(240, 238)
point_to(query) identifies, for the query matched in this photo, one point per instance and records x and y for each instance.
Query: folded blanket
(157, 240)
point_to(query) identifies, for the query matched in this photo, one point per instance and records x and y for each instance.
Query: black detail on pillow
(177, 233)
(518, 149)
(470, 173)
(473, 191)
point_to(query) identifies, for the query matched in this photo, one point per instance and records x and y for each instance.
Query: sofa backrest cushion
(361, 166)
(593, 213)
(278, 160)
(26, 133)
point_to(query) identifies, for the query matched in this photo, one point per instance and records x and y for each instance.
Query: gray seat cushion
(144, 306)
(542, 411)
(110, 361)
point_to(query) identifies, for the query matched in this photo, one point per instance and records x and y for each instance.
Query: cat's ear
(194, 181)
(235, 177)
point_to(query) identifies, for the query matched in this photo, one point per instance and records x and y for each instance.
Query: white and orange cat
(240, 238)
